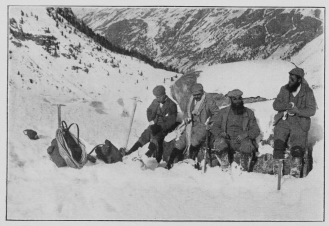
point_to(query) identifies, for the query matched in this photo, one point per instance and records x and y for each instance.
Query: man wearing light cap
(161, 114)
(200, 111)
(235, 130)
(295, 104)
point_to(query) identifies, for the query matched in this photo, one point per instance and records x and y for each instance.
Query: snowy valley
(98, 86)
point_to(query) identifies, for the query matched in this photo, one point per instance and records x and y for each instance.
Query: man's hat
(159, 91)
(234, 93)
(197, 88)
(297, 71)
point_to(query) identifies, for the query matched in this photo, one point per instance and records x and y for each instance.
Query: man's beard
(292, 88)
(237, 108)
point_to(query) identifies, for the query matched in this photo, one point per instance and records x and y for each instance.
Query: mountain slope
(186, 37)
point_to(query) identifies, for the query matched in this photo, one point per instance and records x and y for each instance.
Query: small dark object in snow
(31, 134)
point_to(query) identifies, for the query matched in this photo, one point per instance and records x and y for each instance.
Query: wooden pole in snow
(59, 114)
(131, 121)
(280, 173)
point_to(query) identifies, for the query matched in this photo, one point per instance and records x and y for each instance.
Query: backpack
(107, 152)
(71, 149)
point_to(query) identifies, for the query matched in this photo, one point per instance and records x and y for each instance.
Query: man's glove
(155, 129)
(241, 137)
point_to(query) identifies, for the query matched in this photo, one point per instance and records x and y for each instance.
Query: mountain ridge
(188, 37)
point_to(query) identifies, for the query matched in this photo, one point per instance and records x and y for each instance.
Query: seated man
(200, 109)
(296, 105)
(161, 114)
(235, 130)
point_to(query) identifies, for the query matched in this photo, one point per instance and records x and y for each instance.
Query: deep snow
(102, 105)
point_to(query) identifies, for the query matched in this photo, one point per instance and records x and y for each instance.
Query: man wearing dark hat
(200, 111)
(295, 104)
(161, 115)
(235, 130)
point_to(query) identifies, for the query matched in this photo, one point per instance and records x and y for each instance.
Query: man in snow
(295, 104)
(161, 115)
(200, 111)
(235, 130)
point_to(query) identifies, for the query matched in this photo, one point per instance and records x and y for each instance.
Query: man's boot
(278, 154)
(174, 153)
(223, 159)
(245, 160)
(194, 151)
(134, 148)
(152, 152)
(159, 153)
(296, 166)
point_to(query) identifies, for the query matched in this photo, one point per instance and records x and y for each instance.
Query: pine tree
(57, 24)
(21, 21)
(22, 13)
(80, 61)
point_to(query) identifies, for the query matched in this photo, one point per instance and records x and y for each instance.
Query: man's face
(294, 80)
(161, 98)
(237, 101)
(197, 96)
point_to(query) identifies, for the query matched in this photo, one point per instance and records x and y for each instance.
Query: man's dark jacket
(249, 124)
(165, 116)
(306, 105)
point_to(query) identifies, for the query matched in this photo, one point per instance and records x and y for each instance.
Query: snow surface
(102, 106)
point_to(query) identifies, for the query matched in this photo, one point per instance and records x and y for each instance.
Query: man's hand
(293, 110)
(151, 122)
(241, 137)
(224, 135)
(123, 151)
(208, 127)
(155, 129)
(187, 120)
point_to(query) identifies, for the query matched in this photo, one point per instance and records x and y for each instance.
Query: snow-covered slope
(100, 101)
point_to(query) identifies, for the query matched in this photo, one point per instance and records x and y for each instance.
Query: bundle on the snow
(71, 149)
(54, 154)
(108, 152)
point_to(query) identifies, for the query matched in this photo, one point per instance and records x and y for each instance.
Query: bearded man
(235, 130)
(295, 104)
